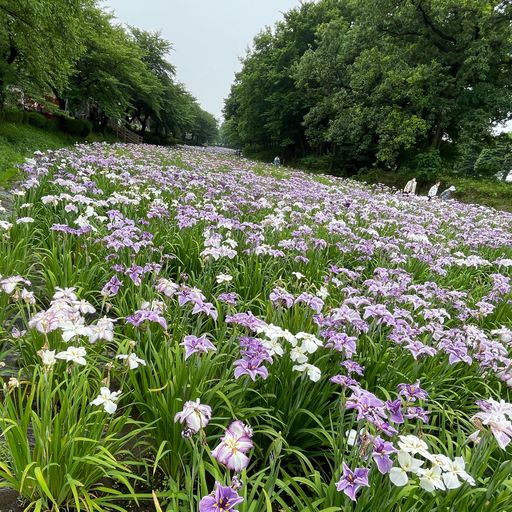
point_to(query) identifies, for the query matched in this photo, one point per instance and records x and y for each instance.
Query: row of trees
(96, 68)
(387, 83)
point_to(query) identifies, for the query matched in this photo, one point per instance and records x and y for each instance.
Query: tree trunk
(437, 136)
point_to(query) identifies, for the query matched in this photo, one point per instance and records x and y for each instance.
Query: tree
(109, 73)
(376, 82)
(265, 107)
(394, 78)
(148, 101)
(40, 40)
(495, 160)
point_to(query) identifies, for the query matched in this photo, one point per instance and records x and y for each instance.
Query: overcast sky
(208, 37)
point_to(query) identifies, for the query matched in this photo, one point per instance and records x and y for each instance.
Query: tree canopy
(376, 82)
(97, 68)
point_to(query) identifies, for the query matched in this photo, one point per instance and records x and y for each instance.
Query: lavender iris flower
(232, 449)
(381, 451)
(412, 392)
(197, 345)
(222, 499)
(351, 481)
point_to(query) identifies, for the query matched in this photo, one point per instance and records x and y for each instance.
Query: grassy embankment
(487, 192)
(19, 141)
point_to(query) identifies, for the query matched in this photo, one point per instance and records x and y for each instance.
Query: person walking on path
(277, 161)
(410, 187)
(447, 193)
(433, 190)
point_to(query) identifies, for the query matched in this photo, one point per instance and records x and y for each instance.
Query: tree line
(387, 84)
(97, 69)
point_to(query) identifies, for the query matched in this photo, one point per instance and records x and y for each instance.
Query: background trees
(378, 82)
(40, 41)
(97, 69)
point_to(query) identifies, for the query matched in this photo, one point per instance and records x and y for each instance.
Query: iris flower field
(184, 330)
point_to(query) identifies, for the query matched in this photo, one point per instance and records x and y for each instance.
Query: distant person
(447, 193)
(277, 161)
(410, 187)
(433, 190)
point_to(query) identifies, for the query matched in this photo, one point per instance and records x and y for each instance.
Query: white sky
(208, 37)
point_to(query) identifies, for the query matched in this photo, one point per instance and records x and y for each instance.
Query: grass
(19, 141)
(496, 194)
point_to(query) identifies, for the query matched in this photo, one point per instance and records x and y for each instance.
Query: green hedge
(76, 127)
(69, 125)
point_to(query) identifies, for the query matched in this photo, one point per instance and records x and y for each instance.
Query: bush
(76, 127)
(53, 125)
(37, 120)
(12, 116)
(426, 166)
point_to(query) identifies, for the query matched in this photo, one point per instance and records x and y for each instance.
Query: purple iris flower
(222, 499)
(112, 287)
(353, 367)
(351, 481)
(315, 303)
(254, 353)
(228, 298)
(232, 449)
(412, 392)
(250, 367)
(381, 451)
(194, 345)
(134, 273)
(417, 413)
(368, 406)
(341, 342)
(384, 426)
(246, 320)
(281, 297)
(205, 307)
(344, 381)
(143, 315)
(395, 409)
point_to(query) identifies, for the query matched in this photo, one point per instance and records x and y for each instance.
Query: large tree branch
(16, 16)
(428, 21)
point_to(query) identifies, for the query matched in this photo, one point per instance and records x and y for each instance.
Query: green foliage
(39, 42)
(496, 159)
(19, 141)
(75, 127)
(376, 82)
(37, 120)
(95, 68)
(62, 450)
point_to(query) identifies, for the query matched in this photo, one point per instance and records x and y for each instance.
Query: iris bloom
(233, 447)
(73, 354)
(194, 344)
(381, 451)
(222, 499)
(107, 399)
(132, 360)
(223, 278)
(195, 415)
(430, 479)
(351, 481)
(408, 464)
(47, 357)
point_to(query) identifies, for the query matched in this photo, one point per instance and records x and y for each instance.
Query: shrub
(76, 127)
(12, 116)
(37, 120)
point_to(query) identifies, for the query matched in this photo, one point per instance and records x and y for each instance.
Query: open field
(172, 318)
